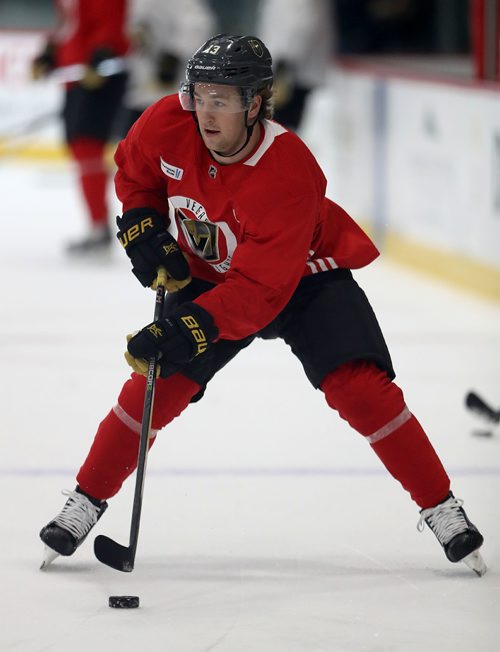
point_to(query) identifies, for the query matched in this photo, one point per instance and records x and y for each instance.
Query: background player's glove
(167, 68)
(283, 83)
(91, 79)
(179, 338)
(45, 62)
(149, 245)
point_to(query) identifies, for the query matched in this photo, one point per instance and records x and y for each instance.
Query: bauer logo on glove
(170, 248)
(126, 237)
(197, 332)
(144, 236)
(155, 330)
(187, 332)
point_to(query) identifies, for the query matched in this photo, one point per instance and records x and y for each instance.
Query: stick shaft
(145, 435)
(75, 72)
(107, 550)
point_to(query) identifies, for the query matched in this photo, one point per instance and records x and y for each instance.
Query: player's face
(220, 116)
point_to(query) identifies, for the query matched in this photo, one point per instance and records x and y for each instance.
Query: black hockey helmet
(242, 61)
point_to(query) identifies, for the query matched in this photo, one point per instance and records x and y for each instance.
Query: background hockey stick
(76, 71)
(107, 550)
(476, 404)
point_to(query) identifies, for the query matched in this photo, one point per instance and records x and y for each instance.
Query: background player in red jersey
(207, 176)
(90, 32)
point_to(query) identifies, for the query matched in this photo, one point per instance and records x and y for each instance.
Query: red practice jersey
(85, 25)
(254, 228)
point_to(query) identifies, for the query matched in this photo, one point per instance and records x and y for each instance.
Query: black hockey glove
(283, 84)
(45, 62)
(91, 79)
(149, 245)
(99, 55)
(167, 68)
(179, 338)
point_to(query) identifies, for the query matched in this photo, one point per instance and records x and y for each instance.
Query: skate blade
(476, 563)
(48, 557)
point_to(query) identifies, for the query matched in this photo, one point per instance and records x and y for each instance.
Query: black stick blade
(113, 554)
(476, 404)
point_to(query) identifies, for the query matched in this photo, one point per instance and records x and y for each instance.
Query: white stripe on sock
(390, 427)
(134, 425)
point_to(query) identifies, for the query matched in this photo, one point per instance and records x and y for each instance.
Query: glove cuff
(138, 224)
(197, 325)
(133, 214)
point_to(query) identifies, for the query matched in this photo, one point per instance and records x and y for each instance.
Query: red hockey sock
(373, 405)
(113, 454)
(88, 154)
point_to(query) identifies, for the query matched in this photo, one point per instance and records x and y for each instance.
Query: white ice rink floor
(268, 525)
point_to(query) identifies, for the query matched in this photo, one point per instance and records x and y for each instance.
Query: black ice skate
(68, 530)
(98, 241)
(459, 537)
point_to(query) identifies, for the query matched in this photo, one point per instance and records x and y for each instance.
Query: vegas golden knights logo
(202, 236)
(256, 47)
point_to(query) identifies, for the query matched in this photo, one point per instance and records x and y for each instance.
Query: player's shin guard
(374, 406)
(113, 454)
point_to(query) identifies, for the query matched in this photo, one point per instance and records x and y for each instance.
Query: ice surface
(268, 525)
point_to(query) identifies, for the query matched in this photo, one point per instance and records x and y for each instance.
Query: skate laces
(78, 515)
(445, 520)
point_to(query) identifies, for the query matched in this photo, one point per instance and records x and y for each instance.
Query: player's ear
(253, 112)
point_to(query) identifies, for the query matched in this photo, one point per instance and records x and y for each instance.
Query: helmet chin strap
(249, 135)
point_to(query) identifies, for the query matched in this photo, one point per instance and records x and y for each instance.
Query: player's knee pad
(363, 395)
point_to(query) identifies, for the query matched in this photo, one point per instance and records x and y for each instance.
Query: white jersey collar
(271, 131)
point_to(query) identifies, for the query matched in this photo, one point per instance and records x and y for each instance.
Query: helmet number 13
(212, 49)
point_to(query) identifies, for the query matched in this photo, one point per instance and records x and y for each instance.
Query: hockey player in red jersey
(90, 33)
(207, 177)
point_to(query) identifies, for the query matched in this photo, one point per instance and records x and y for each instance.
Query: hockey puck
(124, 601)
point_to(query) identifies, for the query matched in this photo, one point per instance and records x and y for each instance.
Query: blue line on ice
(250, 471)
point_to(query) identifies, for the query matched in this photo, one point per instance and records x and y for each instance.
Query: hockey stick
(107, 550)
(476, 404)
(76, 71)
